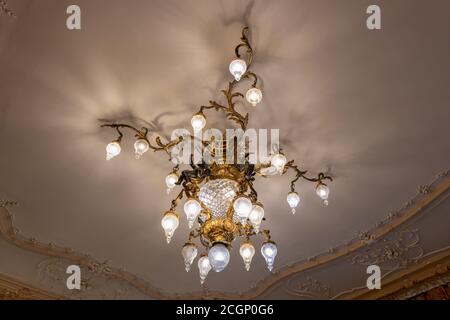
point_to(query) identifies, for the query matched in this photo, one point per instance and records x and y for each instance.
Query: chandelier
(220, 195)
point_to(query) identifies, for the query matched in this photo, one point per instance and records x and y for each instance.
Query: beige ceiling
(373, 106)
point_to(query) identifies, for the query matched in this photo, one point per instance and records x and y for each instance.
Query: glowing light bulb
(256, 216)
(269, 252)
(247, 251)
(189, 252)
(171, 180)
(169, 223)
(198, 122)
(113, 150)
(141, 146)
(204, 266)
(219, 256)
(278, 161)
(253, 96)
(242, 206)
(238, 67)
(293, 200)
(323, 191)
(192, 208)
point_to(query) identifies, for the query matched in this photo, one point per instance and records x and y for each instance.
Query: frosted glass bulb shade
(238, 67)
(204, 266)
(171, 180)
(269, 252)
(253, 96)
(141, 146)
(323, 191)
(278, 161)
(242, 206)
(293, 199)
(189, 252)
(113, 150)
(198, 122)
(192, 209)
(219, 256)
(256, 216)
(169, 223)
(247, 251)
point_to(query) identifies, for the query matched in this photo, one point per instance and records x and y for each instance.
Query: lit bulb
(219, 256)
(323, 191)
(169, 223)
(269, 252)
(171, 181)
(141, 146)
(293, 200)
(256, 216)
(189, 253)
(278, 161)
(253, 96)
(247, 251)
(112, 150)
(198, 122)
(192, 208)
(242, 206)
(238, 68)
(203, 267)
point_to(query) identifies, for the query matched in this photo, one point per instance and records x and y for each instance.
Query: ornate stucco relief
(307, 287)
(97, 281)
(396, 251)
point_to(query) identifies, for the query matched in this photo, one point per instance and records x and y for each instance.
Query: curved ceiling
(372, 106)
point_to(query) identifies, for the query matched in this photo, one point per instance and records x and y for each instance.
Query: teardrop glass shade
(269, 252)
(189, 253)
(203, 267)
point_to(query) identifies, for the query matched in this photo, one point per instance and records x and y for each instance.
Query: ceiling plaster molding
(432, 271)
(4, 10)
(424, 197)
(398, 251)
(11, 289)
(401, 251)
(309, 288)
(422, 287)
(95, 283)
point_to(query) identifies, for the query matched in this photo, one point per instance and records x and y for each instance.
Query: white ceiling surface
(372, 105)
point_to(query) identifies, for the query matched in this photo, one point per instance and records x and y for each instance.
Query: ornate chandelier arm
(194, 234)
(175, 201)
(142, 134)
(246, 230)
(262, 166)
(253, 193)
(266, 234)
(230, 110)
(245, 44)
(302, 174)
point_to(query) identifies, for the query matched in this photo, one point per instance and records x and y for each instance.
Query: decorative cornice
(393, 219)
(422, 287)
(432, 271)
(308, 287)
(12, 289)
(95, 282)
